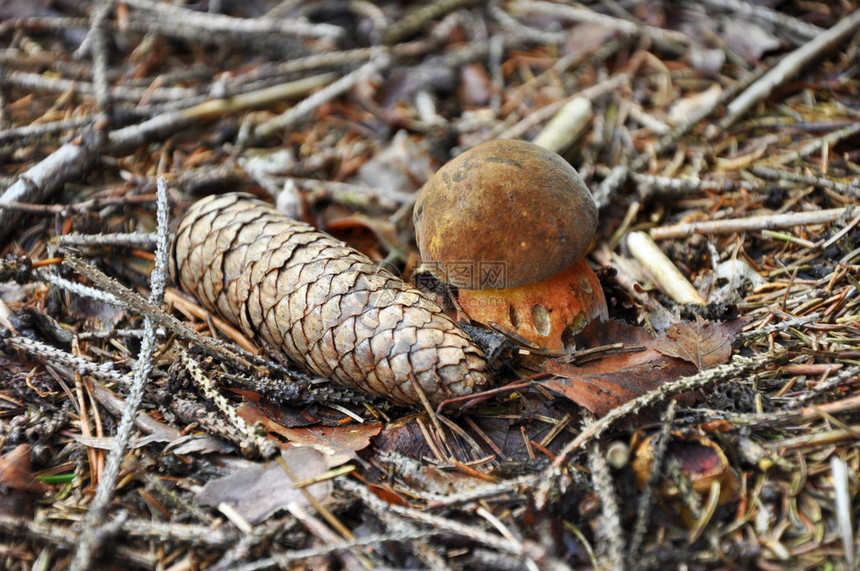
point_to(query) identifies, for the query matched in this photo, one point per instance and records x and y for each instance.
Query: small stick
(39, 82)
(752, 223)
(420, 19)
(547, 111)
(611, 533)
(651, 186)
(581, 14)
(839, 476)
(516, 28)
(54, 536)
(31, 132)
(665, 274)
(827, 141)
(265, 447)
(96, 517)
(836, 237)
(132, 240)
(565, 126)
(747, 10)
(790, 65)
(221, 23)
(78, 157)
(819, 181)
(330, 91)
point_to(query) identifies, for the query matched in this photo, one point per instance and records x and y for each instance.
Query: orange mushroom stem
(548, 313)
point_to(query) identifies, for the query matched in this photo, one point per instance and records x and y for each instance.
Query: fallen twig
(790, 65)
(753, 223)
(90, 540)
(74, 159)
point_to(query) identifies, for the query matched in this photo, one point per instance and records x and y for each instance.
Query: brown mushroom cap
(503, 214)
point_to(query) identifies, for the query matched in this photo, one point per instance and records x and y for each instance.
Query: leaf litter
(673, 435)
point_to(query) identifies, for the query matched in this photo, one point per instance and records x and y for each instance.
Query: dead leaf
(15, 472)
(373, 238)
(602, 391)
(259, 490)
(476, 86)
(339, 443)
(402, 166)
(403, 436)
(18, 486)
(702, 343)
(199, 444)
(702, 463)
(617, 378)
(587, 37)
(386, 494)
(145, 422)
(285, 415)
(95, 315)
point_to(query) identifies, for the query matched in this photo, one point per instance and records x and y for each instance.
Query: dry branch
(789, 66)
(753, 223)
(95, 106)
(73, 160)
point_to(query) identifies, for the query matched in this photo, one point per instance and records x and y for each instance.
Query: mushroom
(508, 222)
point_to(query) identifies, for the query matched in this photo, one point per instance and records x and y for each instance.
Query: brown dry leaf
(259, 490)
(373, 238)
(615, 379)
(600, 392)
(15, 472)
(614, 331)
(288, 415)
(703, 464)
(702, 343)
(404, 436)
(96, 315)
(338, 443)
(18, 486)
(386, 494)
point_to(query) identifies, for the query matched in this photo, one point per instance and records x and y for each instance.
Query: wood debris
(724, 132)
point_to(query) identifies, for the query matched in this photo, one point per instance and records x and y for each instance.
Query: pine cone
(326, 306)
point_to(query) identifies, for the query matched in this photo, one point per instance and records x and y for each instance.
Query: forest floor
(712, 423)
